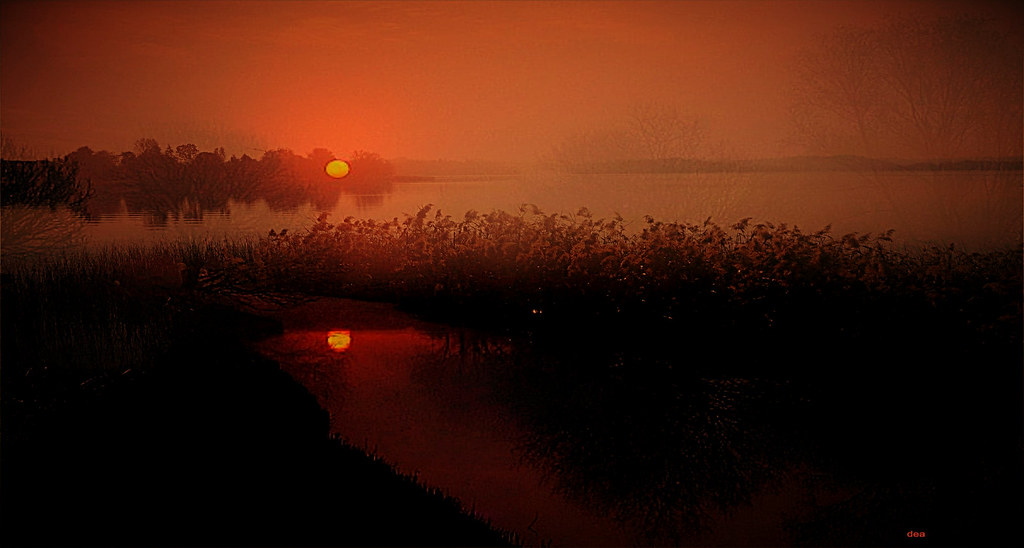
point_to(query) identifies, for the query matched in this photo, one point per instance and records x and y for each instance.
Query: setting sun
(339, 341)
(337, 168)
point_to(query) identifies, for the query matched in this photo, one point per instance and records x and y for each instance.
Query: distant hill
(794, 164)
(860, 163)
(412, 170)
(415, 170)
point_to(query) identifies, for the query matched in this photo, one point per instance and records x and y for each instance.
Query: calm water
(597, 445)
(435, 401)
(391, 390)
(558, 456)
(978, 210)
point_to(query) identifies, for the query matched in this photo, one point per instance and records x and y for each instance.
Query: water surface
(385, 393)
(572, 467)
(975, 209)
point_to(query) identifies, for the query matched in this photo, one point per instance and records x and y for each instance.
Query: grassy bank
(134, 414)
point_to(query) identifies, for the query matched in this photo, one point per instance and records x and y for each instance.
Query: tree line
(920, 90)
(182, 180)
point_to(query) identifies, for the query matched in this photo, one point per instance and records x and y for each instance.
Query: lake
(389, 390)
(587, 445)
(596, 444)
(438, 403)
(977, 210)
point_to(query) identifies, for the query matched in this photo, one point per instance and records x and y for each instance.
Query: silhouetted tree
(99, 169)
(186, 153)
(207, 181)
(933, 89)
(369, 178)
(652, 138)
(152, 180)
(281, 169)
(319, 158)
(147, 146)
(924, 89)
(248, 179)
(43, 183)
(28, 185)
(370, 166)
(182, 180)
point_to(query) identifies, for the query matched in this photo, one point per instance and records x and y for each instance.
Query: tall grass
(637, 316)
(532, 269)
(523, 270)
(134, 415)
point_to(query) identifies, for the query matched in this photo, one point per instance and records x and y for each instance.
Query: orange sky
(453, 80)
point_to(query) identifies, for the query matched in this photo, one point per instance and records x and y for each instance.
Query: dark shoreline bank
(213, 446)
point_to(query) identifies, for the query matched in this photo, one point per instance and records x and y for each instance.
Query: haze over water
(974, 210)
(565, 95)
(783, 385)
(499, 80)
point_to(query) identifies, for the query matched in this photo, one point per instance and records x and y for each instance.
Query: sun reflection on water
(339, 340)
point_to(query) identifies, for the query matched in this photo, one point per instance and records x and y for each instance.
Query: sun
(337, 168)
(339, 340)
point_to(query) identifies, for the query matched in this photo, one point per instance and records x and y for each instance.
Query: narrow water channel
(384, 379)
(593, 451)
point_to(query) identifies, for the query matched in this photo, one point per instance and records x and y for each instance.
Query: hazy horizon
(482, 81)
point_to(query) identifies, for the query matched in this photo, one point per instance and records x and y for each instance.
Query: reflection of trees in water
(974, 209)
(184, 182)
(911, 415)
(976, 202)
(370, 179)
(461, 352)
(30, 232)
(43, 206)
(368, 201)
(659, 449)
(670, 452)
(458, 369)
(664, 453)
(923, 89)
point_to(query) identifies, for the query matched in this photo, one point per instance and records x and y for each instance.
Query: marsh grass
(564, 273)
(211, 445)
(668, 374)
(617, 325)
(879, 365)
(558, 277)
(75, 321)
(134, 414)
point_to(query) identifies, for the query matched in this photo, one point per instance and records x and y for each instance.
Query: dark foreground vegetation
(133, 413)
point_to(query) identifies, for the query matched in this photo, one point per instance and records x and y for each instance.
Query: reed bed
(534, 271)
(618, 322)
(530, 270)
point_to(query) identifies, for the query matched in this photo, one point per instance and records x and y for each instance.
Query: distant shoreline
(795, 164)
(412, 171)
